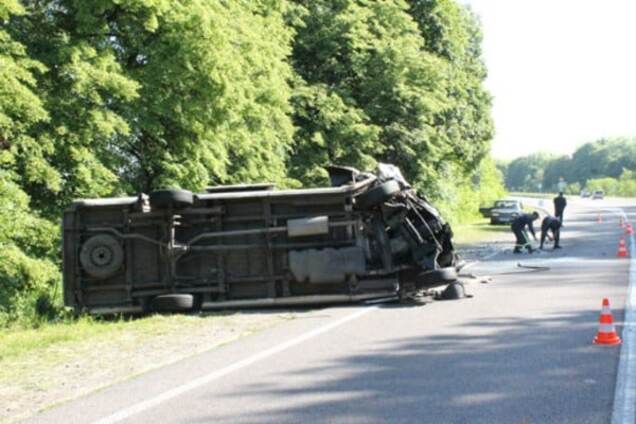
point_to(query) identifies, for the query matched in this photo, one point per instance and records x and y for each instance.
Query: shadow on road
(522, 366)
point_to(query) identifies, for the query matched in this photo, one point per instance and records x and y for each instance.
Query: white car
(598, 194)
(505, 211)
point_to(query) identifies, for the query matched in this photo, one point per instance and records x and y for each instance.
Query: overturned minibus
(368, 236)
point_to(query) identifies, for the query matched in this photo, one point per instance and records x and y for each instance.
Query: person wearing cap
(518, 227)
(559, 206)
(553, 224)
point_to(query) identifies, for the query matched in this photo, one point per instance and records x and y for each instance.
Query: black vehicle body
(368, 236)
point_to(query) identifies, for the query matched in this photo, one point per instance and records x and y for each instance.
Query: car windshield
(505, 204)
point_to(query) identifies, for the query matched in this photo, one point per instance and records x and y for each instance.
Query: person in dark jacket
(551, 223)
(518, 227)
(559, 206)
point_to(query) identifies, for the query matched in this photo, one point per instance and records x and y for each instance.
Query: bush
(28, 288)
(574, 188)
(624, 186)
(460, 196)
(29, 276)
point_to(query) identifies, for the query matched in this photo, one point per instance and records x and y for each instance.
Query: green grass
(478, 230)
(17, 342)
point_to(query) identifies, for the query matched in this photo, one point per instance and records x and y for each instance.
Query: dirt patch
(63, 371)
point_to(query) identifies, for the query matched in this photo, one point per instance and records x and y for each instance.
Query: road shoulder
(36, 378)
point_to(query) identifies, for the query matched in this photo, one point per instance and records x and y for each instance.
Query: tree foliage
(407, 78)
(464, 126)
(143, 94)
(28, 242)
(624, 185)
(600, 162)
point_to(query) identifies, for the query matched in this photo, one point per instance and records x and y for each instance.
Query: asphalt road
(519, 351)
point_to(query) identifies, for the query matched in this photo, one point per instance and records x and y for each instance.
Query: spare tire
(172, 303)
(437, 277)
(170, 198)
(378, 194)
(101, 256)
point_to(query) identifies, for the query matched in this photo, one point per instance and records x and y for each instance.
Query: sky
(561, 72)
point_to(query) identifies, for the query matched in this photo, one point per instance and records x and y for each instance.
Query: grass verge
(479, 230)
(58, 362)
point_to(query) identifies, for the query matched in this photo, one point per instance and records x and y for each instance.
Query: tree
(452, 32)
(208, 114)
(28, 242)
(599, 165)
(527, 173)
(329, 132)
(144, 94)
(604, 158)
(369, 57)
(82, 89)
(555, 169)
(20, 108)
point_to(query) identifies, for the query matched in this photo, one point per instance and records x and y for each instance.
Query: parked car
(505, 211)
(598, 194)
(485, 211)
(585, 194)
(368, 236)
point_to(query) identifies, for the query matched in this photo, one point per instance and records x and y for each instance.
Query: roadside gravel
(59, 372)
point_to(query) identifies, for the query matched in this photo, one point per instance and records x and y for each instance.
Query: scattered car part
(427, 278)
(453, 291)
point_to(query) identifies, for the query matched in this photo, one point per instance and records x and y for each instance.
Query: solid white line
(624, 411)
(214, 375)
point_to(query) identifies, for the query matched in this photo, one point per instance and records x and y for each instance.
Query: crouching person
(518, 227)
(552, 224)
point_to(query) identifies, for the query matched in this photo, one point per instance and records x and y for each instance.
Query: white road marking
(624, 411)
(214, 375)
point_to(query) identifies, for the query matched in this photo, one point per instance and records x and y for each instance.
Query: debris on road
(453, 291)
(533, 267)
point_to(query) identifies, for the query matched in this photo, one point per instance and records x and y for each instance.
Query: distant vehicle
(585, 194)
(505, 211)
(368, 236)
(598, 194)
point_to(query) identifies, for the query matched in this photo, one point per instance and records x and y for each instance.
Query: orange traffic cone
(606, 334)
(622, 249)
(629, 230)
